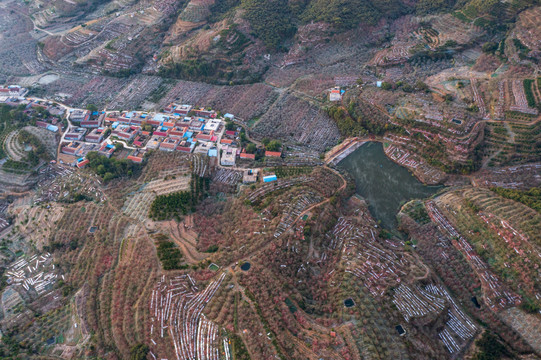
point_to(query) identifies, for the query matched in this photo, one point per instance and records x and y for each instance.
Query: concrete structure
(75, 134)
(229, 155)
(335, 94)
(79, 115)
(95, 136)
(250, 176)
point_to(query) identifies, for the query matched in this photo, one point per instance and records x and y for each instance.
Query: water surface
(384, 184)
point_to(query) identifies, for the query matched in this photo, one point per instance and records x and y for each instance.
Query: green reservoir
(384, 184)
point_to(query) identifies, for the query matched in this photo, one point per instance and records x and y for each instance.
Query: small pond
(245, 266)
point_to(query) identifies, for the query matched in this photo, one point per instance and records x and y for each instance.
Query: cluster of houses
(13, 91)
(54, 112)
(178, 128)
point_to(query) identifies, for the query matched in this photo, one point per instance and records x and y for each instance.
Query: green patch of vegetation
(272, 145)
(139, 352)
(109, 45)
(221, 8)
(252, 122)
(212, 248)
(183, 202)
(15, 166)
(217, 71)
(460, 16)
(271, 21)
(191, 69)
(431, 6)
(353, 122)
(111, 168)
(522, 49)
(529, 305)
(489, 47)
(38, 151)
(158, 93)
(530, 198)
(528, 83)
(169, 254)
(239, 349)
(518, 115)
(347, 14)
(292, 308)
(76, 198)
(286, 171)
(13, 118)
(167, 206)
(3, 279)
(123, 73)
(265, 323)
(490, 348)
(417, 211)
(233, 41)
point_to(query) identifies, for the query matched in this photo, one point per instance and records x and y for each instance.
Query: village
(133, 134)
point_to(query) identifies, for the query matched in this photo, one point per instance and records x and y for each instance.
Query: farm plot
(294, 209)
(527, 28)
(200, 165)
(420, 168)
(499, 110)
(511, 177)
(459, 326)
(416, 302)
(164, 187)
(77, 37)
(291, 118)
(137, 205)
(299, 156)
(34, 276)
(4, 223)
(525, 139)
(519, 216)
(134, 93)
(176, 310)
(449, 27)
(497, 144)
(227, 176)
(17, 47)
(37, 223)
(396, 54)
(245, 101)
(366, 259)
(527, 325)
(262, 191)
(478, 98)
(98, 90)
(521, 256)
(521, 102)
(185, 92)
(497, 296)
(13, 147)
(65, 185)
(163, 164)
